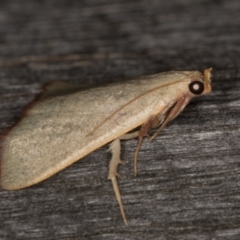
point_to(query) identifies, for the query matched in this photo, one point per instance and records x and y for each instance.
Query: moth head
(199, 87)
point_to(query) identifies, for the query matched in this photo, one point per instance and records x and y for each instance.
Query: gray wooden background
(188, 186)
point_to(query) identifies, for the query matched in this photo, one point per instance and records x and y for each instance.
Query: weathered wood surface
(188, 186)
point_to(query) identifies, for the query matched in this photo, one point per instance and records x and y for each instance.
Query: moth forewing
(59, 130)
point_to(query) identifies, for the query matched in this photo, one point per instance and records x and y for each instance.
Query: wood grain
(188, 181)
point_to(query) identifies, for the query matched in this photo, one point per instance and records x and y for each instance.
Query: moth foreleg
(175, 110)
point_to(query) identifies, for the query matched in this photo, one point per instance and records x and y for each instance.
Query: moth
(65, 124)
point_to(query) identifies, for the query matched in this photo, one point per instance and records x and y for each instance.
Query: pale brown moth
(65, 124)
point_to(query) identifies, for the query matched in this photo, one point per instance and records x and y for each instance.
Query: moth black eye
(196, 87)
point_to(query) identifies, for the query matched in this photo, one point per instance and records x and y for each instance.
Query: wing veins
(134, 99)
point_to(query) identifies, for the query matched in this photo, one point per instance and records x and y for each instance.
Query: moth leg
(176, 109)
(142, 133)
(115, 148)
